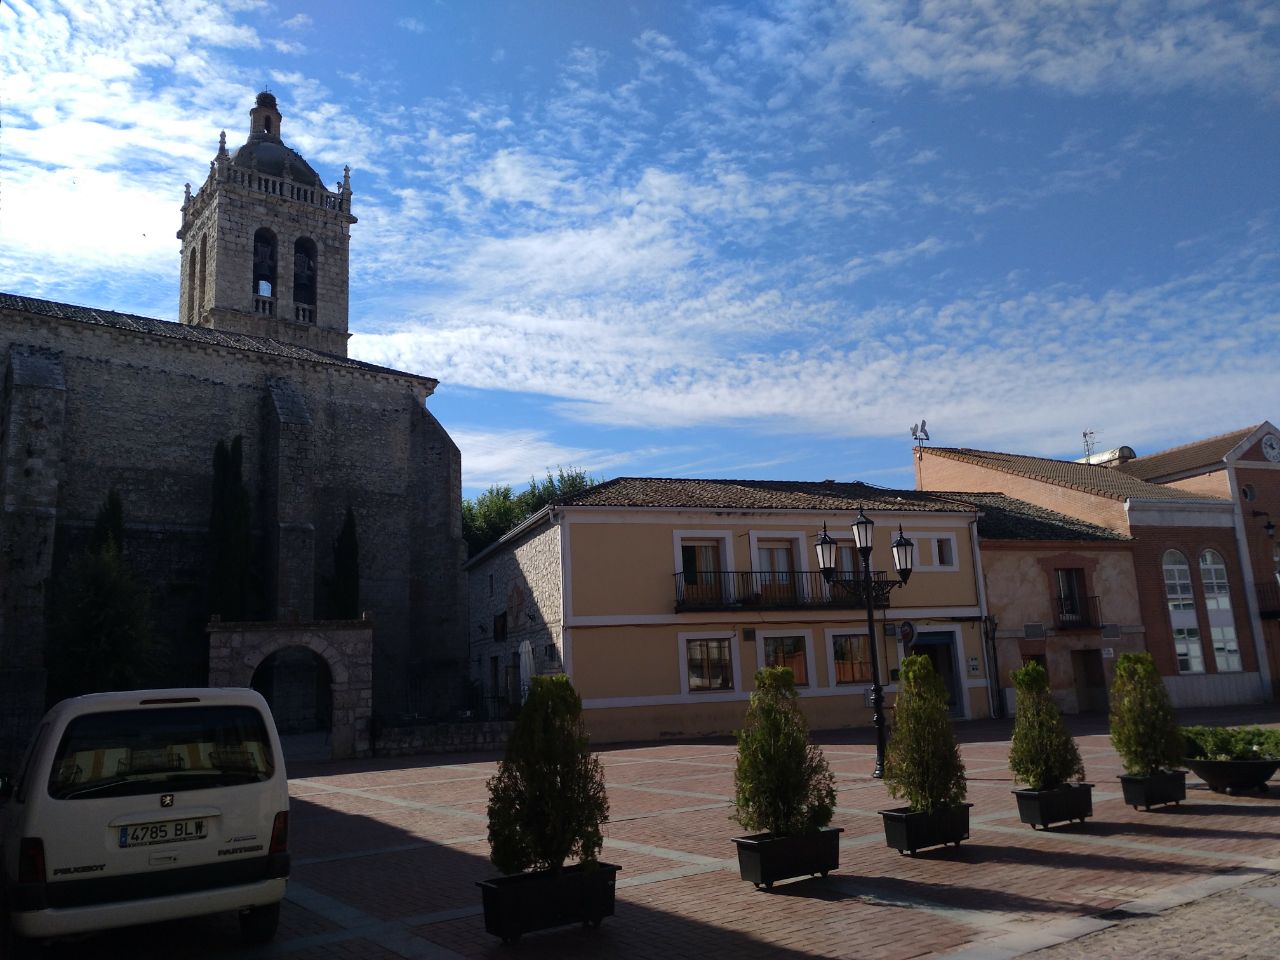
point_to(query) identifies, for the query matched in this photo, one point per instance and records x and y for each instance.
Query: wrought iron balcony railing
(1077, 613)
(1269, 599)
(731, 589)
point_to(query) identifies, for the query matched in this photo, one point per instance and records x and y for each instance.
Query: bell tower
(265, 244)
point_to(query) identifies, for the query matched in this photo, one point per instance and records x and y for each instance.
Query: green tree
(344, 598)
(782, 783)
(1144, 729)
(547, 801)
(499, 509)
(230, 536)
(1042, 754)
(922, 764)
(100, 632)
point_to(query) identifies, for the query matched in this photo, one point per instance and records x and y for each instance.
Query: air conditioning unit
(1033, 631)
(1111, 631)
(749, 635)
(891, 631)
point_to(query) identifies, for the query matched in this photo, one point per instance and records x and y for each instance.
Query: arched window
(1217, 600)
(264, 263)
(204, 254)
(304, 271)
(1182, 612)
(191, 285)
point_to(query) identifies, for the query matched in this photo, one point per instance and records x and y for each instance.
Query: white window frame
(1184, 624)
(921, 566)
(831, 634)
(797, 540)
(735, 661)
(724, 537)
(807, 636)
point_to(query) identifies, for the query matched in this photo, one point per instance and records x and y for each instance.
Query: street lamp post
(873, 590)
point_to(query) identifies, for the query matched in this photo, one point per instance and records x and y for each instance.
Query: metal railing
(1269, 598)
(1072, 612)
(732, 589)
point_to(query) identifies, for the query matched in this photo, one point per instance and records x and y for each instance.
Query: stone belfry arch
(265, 243)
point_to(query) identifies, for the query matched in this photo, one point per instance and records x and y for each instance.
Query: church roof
(678, 493)
(1188, 458)
(1086, 477)
(269, 155)
(181, 331)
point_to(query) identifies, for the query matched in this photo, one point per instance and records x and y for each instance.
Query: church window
(199, 296)
(304, 271)
(191, 287)
(264, 263)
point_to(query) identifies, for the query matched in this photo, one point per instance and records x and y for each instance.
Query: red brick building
(1197, 521)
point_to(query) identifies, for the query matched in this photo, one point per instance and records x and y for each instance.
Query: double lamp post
(875, 591)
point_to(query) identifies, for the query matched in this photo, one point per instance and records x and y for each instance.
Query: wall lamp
(1269, 526)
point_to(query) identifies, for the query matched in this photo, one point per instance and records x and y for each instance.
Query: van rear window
(128, 752)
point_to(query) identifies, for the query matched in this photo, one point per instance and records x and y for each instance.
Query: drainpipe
(995, 702)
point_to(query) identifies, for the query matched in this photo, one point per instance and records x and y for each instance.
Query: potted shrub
(1233, 759)
(1044, 756)
(923, 766)
(783, 788)
(1146, 734)
(547, 803)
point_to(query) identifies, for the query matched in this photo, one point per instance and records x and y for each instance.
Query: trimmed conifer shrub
(1144, 730)
(547, 801)
(922, 764)
(1043, 754)
(782, 783)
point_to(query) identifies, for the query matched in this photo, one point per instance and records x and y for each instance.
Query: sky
(740, 240)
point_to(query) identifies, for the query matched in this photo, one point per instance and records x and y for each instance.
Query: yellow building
(660, 598)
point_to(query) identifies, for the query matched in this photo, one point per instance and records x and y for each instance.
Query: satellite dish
(924, 434)
(915, 431)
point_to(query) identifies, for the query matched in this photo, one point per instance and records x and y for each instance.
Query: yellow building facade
(662, 598)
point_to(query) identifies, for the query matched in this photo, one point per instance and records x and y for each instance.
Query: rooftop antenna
(1089, 444)
(919, 433)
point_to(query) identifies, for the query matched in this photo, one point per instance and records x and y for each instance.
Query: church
(96, 401)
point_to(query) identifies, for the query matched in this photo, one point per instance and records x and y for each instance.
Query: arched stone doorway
(296, 662)
(298, 684)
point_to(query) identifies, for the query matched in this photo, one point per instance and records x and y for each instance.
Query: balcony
(1077, 613)
(737, 589)
(1269, 599)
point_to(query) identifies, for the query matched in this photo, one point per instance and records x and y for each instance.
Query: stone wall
(485, 737)
(237, 650)
(522, 582)
(141, 411)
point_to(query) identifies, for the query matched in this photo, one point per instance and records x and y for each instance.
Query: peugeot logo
(166, 799)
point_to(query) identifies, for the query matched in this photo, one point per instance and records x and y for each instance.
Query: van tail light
(31, 860)
(280, 833)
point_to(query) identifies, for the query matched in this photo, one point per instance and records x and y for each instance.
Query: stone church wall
(142, 413)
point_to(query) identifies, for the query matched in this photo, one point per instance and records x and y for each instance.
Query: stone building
(95, 400)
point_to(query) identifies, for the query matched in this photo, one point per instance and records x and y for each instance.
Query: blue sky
(743, 240)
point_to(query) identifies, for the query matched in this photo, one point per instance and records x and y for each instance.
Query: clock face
(1271, 447)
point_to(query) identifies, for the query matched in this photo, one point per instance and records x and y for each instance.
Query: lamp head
(826, 549)
(904, 554)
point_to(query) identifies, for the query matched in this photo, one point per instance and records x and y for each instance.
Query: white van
(147, 805)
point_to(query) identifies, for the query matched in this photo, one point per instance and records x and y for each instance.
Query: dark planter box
(525, 902)
(1167, 786)
(908, 830)
(1042, 808)
(764, 858)
(1234, 776)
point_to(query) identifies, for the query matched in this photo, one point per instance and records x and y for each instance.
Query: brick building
(95, 400)
(1194, 584)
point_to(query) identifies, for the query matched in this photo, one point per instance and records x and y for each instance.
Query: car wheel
(258, 924)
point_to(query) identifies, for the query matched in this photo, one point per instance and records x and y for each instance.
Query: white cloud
(412, 24)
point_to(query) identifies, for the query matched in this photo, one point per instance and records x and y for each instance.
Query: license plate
(167, 831)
